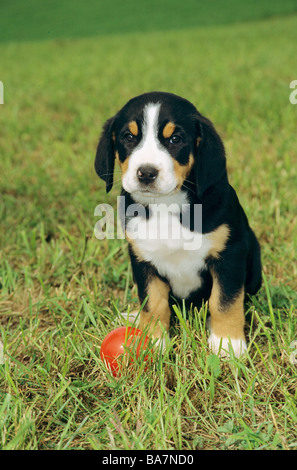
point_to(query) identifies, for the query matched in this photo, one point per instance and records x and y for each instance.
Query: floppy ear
(210, 161)
(105, 156)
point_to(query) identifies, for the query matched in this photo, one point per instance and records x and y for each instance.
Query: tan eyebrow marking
(133, 127)
(168, 130)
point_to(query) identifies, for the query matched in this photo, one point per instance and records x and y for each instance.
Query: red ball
(121, 345)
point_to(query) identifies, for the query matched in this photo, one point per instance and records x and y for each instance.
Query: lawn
(21, 20)
(61, 287)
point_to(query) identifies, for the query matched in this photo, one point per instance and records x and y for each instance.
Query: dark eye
(175, 139)
(129, 137)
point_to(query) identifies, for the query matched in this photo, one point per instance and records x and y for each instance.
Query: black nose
(147, 174)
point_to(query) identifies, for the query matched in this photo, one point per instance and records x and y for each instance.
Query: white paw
(222, 346)
(162, 344)
(130, 317)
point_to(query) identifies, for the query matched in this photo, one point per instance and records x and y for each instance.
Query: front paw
(162, 344)
(223, 347)
(131, 318)
(159, 336)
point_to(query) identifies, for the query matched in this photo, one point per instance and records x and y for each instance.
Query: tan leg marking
(156, 316)
(226, 321)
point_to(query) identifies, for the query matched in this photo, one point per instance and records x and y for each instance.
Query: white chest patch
(177, 253)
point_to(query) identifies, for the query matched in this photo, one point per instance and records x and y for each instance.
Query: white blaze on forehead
(150, 123)
(150, 152)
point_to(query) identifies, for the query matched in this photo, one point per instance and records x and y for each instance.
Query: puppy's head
(161, 143)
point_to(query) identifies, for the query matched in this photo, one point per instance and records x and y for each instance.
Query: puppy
(173, 165)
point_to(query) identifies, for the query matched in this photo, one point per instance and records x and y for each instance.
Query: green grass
(72, 18)
(61, 288)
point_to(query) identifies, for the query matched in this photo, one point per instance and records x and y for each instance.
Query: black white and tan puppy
(171, 160)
